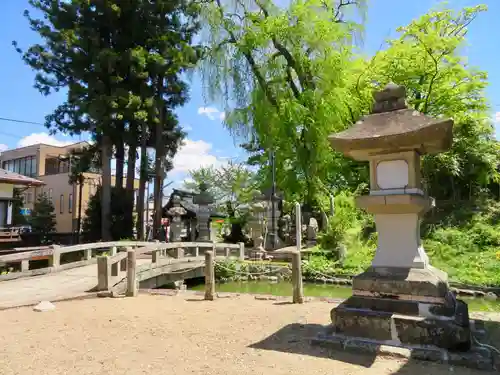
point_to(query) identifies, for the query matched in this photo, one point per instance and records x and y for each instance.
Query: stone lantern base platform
(404, 308)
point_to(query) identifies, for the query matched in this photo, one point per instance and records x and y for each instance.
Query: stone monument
(401, 300)
(203, 199)
(176, 211)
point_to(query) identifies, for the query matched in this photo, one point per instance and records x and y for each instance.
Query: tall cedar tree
(120, 62)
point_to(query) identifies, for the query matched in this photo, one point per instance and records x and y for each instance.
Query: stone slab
(476, 358)
(397, 306)
(444, 332)
(393, 282)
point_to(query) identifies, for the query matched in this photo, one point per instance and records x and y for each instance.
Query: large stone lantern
(204, 199)
(400, 300)
(176, 212)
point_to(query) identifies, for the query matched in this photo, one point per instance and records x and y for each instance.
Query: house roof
(18, 179)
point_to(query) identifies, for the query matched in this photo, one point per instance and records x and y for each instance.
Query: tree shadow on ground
(296, 339)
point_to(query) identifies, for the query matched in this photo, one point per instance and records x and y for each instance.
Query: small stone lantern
(204, 199)
(400, 299)
(176, 212)
(256, 224)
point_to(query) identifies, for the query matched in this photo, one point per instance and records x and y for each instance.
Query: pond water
(320, 290)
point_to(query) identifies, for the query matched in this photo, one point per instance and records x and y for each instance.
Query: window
(70, 203)
(50, 195)
(61, 204)
(25, 166)
(29, 198)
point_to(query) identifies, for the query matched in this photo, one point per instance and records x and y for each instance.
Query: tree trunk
(106, 151)
(120, 160)
(159, 155)
(131, 162)
(142, 200)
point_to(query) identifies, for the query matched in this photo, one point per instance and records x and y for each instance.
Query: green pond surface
(322, 290)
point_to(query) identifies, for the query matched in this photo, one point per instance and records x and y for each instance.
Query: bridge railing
(113, 269)
(54, 253)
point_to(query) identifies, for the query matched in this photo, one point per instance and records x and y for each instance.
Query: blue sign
(25, 211)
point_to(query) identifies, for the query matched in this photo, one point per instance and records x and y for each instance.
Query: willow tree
(283, 75)
(427, 59)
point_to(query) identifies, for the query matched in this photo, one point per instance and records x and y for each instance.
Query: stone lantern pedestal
(401, 300)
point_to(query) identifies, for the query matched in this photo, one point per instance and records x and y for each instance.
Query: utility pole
(273, 201)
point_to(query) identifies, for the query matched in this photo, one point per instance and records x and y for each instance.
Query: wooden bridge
(114, 267)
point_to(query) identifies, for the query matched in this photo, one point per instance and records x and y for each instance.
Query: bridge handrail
(54, 253)
(110, 269)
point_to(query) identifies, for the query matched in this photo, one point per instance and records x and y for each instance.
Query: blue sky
(208, 142)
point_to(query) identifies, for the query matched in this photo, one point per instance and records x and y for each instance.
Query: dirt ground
(183, 335)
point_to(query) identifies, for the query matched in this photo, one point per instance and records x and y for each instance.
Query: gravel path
(182, 335)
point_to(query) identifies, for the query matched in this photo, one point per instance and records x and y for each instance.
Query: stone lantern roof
(393, 127)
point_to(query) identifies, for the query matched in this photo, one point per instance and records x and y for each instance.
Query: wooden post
(209, 276)
(103, 273)
(242, 251)
(131, 274)
(298, 290)
(298, 226)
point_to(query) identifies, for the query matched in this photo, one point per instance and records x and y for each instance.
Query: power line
(20, 121)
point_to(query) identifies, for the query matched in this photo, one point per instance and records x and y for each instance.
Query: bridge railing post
(55, 258)
(103, 273)
(209, 276)
(242, 251)
(178, 253)
(131, 273)
(88, 254)
(114, 266)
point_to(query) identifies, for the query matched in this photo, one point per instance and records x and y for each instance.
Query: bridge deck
(58, 285)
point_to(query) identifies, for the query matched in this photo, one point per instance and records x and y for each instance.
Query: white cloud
(497, 117)
(212, 113)
(44, 138)
(193, 155)
(3, 147)
(187, 128)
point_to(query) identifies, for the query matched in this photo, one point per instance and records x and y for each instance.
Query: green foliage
(120, 229)
(468, 250)
(17, 205)
(285, 68)
(232, 182)
(427, 60)
(43, 217)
